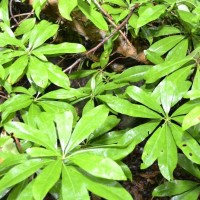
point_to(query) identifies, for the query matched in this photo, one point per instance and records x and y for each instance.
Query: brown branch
(112, 34)
(11, 13)
(109, 18)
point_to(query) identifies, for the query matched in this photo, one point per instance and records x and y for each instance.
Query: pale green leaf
(87, 124)
(17, 69)
(66, 47)
(107, 189)
(38, 72)
(168, 157)
(41, 152)
(95, 17)
(125, 107)
(46, 179)
(57, 76)
(192, 118)
(149, 14)
(64, 122)
(65, 9)
(41, 32)
(164, 69)
(162, 46)
(26, 132)
(98, 166)
(153, 147)
(20, 172)
(132, 74)
(25, 26)
(143, 97)
(73, 187)
(178, 52)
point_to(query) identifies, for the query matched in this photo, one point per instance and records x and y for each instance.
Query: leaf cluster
(49, 145)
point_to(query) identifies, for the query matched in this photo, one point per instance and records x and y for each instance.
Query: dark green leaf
(186, 143)
(173, 188)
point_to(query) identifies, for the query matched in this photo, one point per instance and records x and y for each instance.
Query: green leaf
(73, 187)
(68, 94)
(153, 147)
(66, 47)
(99, 166)
(26, 132)
(64, 122)
(30, 116)
(168, 157)
(4, 13)
(164, 69)
(20, 172)
(173, 188)
(9, 159)
(165, 30)
(192, 118)
(162, 46)
(40, 33)
(149, 14)
(191, 194)
(45, 124)
(154, 57)
(17, 190)
(5, 39)
(46, 179)
(143, 97)
(87, 124)
(41, 152)
(2, 72)
(109, 124)
(26, 193)
(186, 143)
(138, 133)
(17, 69)
(107, 189)
(38, 72)
(132, 74)
(95, 17)
(25, 26)
(125, 107)
(57, 76)
(188, 165)
(178, 52)
(15, 103)
(66, 9)
(185, 108)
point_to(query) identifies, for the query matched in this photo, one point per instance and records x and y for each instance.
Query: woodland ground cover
(99, 99)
